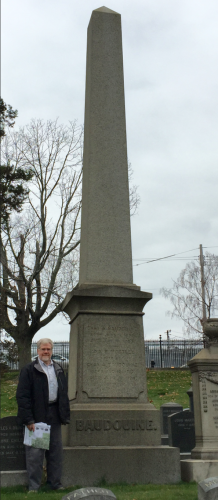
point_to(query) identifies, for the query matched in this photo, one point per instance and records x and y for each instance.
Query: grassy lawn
(168, 386)
(181, 491)
(9, 382)
(163, 387)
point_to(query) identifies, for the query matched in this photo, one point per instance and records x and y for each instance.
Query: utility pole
(202, 284)
(168, 337)
(168, 334)
(161, 361)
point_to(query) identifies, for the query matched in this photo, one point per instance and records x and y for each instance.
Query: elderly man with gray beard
(42, 397)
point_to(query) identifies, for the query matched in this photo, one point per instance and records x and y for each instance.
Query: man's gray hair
(44, 341)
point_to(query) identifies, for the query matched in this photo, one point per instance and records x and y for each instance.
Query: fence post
(160, 351)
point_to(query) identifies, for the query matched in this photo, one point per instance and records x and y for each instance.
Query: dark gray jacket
(32, 394)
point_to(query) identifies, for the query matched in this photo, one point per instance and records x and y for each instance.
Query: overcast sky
(170, 51)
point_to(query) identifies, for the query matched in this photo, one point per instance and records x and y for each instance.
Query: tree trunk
(24, 351)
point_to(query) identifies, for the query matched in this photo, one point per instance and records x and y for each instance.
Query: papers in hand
(39, 438)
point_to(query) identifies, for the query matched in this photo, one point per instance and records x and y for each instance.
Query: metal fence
(171, 353)
(159, 353)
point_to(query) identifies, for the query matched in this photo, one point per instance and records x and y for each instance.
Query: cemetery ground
(181, 491)
(163, 386)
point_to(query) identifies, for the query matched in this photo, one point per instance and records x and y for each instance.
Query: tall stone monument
(114, 431)
(204, 368)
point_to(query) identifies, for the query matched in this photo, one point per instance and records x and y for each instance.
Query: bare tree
(186, 294)
(134, 198)
(39, 247)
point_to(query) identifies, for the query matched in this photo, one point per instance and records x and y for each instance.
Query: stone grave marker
(165, 410)
(182, 430)
(12, 448)
(208, 489)
(91, 493)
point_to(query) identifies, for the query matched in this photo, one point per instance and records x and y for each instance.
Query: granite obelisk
(113, 426)
(105, 231)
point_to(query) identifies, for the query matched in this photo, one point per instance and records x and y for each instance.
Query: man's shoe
(33, 491)
(59, 488)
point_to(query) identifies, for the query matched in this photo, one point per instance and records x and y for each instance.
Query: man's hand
(31, 427)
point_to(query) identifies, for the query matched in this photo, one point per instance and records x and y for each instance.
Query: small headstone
(208, 489)
(91, 493)
(165, 410)
(12, 451)
(182, 431)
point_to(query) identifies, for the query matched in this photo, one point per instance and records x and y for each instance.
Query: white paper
(40, 438)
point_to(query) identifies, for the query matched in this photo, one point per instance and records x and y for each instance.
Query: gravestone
(91, 493)
(114, 431)
(12, 448)
(166, 410)
(182, 430)
(208, 489)
(204, 369)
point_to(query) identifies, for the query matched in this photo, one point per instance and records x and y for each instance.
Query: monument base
(113, 425)
(13, 478)
(117, 464)
(198, 470)
(204, 453)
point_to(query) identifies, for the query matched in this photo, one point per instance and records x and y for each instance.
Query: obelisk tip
(106, 10)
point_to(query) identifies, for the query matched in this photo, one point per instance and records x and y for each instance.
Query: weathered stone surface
(208, 489)
(107, 360)
(114, 424)
(105, 252)
(114, 431)
(182, 430)
(12, 451)
(92, 493)
(113, 359)
(204, 368)
(142, 464)
(165, 410)
(13, 478)
(198, 470)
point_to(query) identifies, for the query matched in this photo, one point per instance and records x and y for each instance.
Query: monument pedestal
(204, 368)
(198, 470)
(116, 464)
(114, 431)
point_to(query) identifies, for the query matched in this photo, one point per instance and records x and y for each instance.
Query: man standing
(42, 397)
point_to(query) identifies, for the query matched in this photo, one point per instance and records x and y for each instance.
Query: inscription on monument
(12, 451)
(114, 364)
(209, 396)
(117, 425)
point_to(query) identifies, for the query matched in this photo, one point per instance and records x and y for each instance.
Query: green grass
(168, 386)
(181, 491)
(163, 387)
(9, 382)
